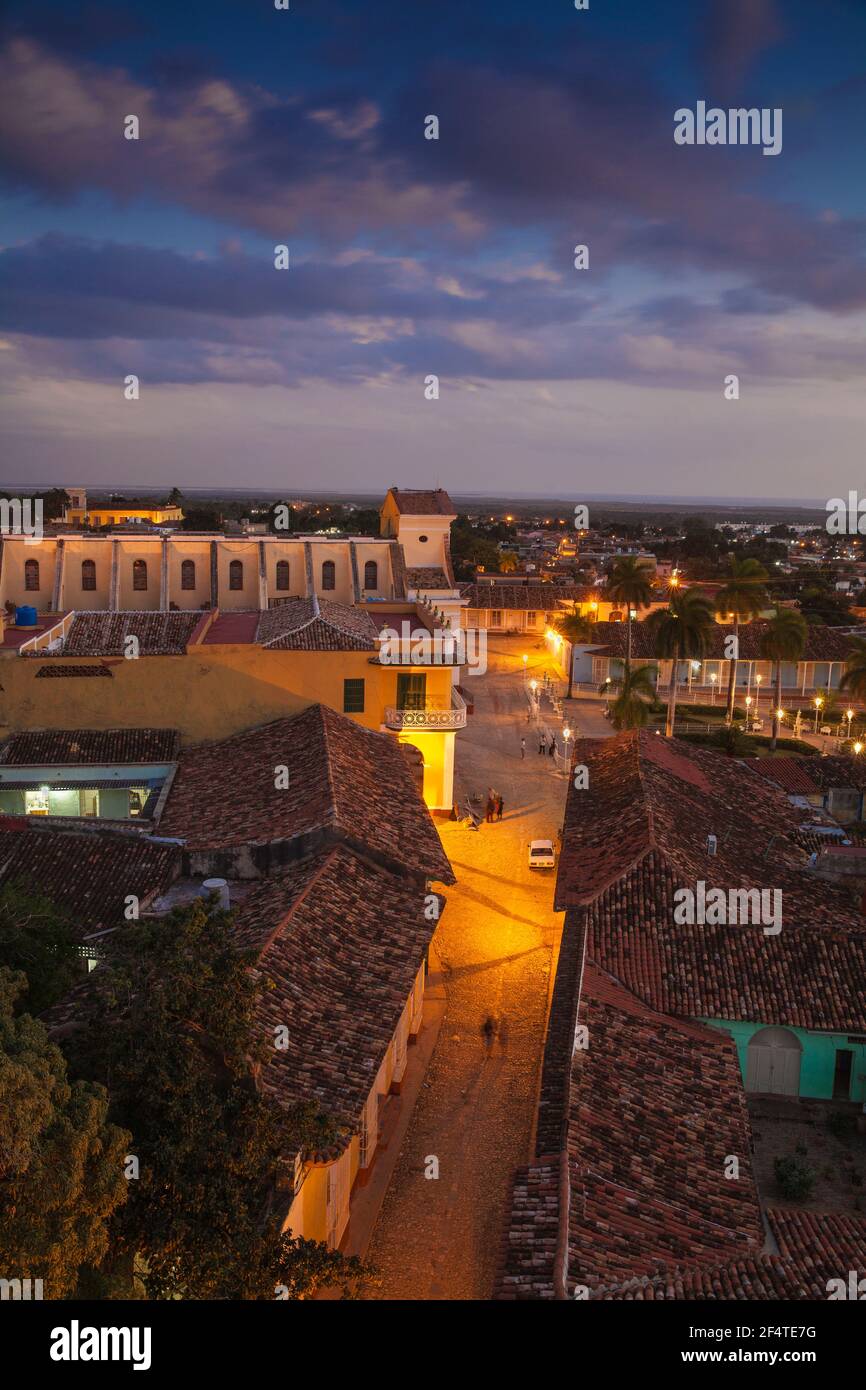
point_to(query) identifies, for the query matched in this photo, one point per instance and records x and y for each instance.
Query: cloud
(734, 33)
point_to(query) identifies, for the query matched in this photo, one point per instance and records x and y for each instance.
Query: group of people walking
(543, 745)
(495, 805)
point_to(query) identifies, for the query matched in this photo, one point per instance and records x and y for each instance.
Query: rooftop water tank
(26, 617)
(221, 888)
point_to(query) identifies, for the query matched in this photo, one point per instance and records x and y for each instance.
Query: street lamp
(525, 660)
(758, 679)
(858, 747)
(818, 703)
(713, 679)
(849, 715)
(748, 712)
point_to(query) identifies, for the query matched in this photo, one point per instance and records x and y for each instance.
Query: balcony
(431, 716)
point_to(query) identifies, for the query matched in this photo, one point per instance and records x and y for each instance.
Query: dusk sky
(453, 257)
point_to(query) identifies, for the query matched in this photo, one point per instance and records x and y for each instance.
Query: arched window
(139, 574)
(31, 574)
(283, 574)
(371, 575)
(88, 574)
(329, 575)
(187, 574)
(236, 574)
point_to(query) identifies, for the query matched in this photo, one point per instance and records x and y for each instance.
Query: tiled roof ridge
(329, 763)
(327, 859)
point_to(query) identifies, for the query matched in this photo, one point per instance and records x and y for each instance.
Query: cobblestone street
(440, 1238)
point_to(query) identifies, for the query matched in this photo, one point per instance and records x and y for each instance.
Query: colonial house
(328, 870)
(820, 668)
(661, 1030)
(517, 607)
(210, 640)
(696, 815)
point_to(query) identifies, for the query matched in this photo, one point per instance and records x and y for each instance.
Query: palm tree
(854, 675)
(630, 583)
(681, 629)
(573, 628)
(784, 640)
(637, 693)
(507, 562)
(743, 598)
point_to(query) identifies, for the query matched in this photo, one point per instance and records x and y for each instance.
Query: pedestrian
(491, 806)
(542, 743)
(552, 749)
(499, 805)
(523, 748)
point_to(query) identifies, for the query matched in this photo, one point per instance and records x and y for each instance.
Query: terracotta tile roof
(529, 1249)
(657, 1106)
(814, 1247)
(791, 774)
(72, 672)
(104, 634)
(837, 770)
(824, 1244)
(339, 943)
(312, 624)
(802, 978)
(749, 1277)
(639, 832)
(822, 643)
(533, 597)
(89, 873)
(398, 568)
(423, 502)
(343, 779)
(427, 577)
(79, 746)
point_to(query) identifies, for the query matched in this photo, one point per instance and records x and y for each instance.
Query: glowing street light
(713, 679)
(849, 715)
(818, 703)
(758, 679)
(858, 747)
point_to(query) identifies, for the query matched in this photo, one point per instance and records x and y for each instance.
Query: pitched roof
(86, 746)
(529, 596)
(814, 1247)
(837, 770)
(343, 779)
(105, 634)
(656, 1109)
(90, 874)
(791, 774)
(639, 833)
(339, 942)
(427, 577)
(822, 643)
(313, 624)
(423, 501)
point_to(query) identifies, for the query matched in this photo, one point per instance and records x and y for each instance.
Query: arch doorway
(773, 1062)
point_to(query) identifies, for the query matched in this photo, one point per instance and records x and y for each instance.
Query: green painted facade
(818, 1064)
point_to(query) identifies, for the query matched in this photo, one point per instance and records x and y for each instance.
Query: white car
(541, 854)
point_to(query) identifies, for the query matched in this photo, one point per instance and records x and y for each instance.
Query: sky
(452, 257)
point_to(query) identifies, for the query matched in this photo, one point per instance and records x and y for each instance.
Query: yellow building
(78, 513)
(211, 634)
